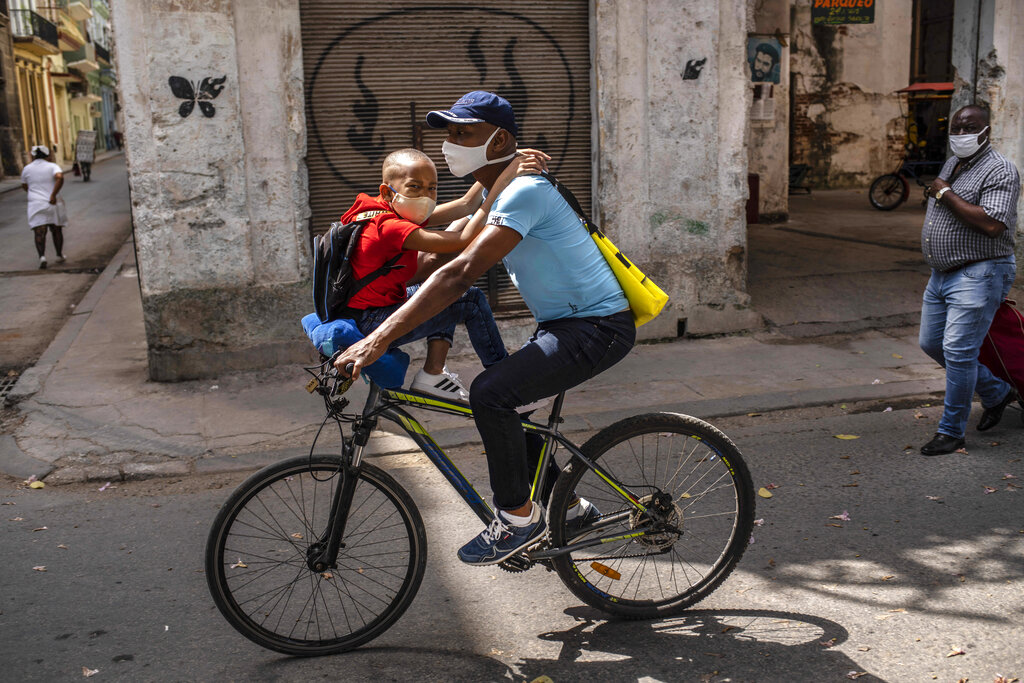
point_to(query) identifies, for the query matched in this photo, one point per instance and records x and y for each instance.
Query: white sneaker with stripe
(446, 385)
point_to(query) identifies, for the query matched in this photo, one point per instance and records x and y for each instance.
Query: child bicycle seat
(387, 372)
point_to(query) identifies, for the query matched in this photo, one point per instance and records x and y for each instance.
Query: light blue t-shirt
(557, 268)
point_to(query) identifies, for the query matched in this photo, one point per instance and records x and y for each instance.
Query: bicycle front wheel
(888, 191)
(700, 504)
(258, 547)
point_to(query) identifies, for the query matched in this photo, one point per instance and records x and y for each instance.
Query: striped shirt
(990, 181)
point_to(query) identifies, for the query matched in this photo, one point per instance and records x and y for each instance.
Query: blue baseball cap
(477, 107)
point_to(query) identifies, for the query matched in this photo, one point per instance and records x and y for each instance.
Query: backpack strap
(388, 266)
(574, 203)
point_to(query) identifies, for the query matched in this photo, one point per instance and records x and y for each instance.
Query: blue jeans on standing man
(956, 313)
(471, 308)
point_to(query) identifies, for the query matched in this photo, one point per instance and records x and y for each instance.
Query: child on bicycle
(406, 200)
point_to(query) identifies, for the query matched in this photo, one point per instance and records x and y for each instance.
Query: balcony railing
(27, 24)
(83, 59)
(102, 53)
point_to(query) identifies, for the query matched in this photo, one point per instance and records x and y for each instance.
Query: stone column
(215, 137)
(671, 119)
(769, 136)
(987, 57)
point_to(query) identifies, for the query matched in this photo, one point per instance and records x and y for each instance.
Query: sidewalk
(89, 412)
(11, 183)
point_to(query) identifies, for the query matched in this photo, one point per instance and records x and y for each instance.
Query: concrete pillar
(218, 180)
(769, 137)
(987, 58)
(672, 98)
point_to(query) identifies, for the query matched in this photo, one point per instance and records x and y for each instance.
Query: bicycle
(892, 189)
(320, 554)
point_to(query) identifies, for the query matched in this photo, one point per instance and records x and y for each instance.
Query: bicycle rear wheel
(888, 191)
(256, 557)
(691, 472)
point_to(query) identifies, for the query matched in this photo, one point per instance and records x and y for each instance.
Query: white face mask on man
(464, 160)
(414, 209)
(964, 146)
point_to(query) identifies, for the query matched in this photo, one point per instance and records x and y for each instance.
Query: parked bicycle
(322, 553)
(892, 189)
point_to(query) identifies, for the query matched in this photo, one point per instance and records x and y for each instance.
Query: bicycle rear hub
(664, 520)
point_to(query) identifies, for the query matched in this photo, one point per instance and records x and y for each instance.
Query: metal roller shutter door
(372, 72)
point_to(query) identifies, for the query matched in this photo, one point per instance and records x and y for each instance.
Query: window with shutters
(373, 71)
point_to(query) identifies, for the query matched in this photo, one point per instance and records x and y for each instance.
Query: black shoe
(942, 444)
(991, 417)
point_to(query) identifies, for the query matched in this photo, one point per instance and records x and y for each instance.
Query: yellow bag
(645, 298)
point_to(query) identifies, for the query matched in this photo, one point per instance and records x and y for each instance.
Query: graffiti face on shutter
(369, 87)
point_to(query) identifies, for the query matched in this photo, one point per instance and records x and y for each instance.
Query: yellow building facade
(52, 56)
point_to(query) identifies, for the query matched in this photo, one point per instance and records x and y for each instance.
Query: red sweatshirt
(381, 239)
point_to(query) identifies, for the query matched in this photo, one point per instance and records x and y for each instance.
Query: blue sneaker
(500, 540)
(586, 513)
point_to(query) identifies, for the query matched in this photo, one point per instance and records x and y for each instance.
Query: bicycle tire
(888, 191)
(256, 558)
(662, 574)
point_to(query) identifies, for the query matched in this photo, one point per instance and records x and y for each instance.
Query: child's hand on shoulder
(531, 161)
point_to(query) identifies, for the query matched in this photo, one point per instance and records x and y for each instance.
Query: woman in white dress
(42, 179)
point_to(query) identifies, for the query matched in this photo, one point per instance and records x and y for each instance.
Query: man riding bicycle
(584, 325)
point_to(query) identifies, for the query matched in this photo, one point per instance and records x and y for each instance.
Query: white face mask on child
(415, 209)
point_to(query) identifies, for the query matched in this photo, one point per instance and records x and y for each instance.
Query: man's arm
(450, 242)
(439, 291)
(972, 215)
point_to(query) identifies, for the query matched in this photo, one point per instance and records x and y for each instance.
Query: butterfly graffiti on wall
(186, 90)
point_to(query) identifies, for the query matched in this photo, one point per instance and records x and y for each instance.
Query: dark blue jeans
(471, 308)
(560, 355)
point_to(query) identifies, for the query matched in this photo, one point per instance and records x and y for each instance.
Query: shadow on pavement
(700, 645)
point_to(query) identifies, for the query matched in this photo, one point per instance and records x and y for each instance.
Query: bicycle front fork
(323, 554)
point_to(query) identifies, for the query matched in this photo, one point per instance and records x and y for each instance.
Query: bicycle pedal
(516, 564)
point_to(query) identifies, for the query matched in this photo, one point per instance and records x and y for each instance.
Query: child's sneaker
(501, 540)
(42, 262)
(581, 514)
(60, 258)
(446, 385)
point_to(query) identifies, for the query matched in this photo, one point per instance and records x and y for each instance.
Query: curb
(389, 440)
(711, 409)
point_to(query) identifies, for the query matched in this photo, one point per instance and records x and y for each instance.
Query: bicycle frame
(387, 404)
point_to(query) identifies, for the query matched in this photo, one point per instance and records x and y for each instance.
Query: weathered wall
(671, 151)
(768, 154)
(218, 188)
(846, 120)
(11, 153)
(987, 55)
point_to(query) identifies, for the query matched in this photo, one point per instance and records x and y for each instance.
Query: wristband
(938, 195)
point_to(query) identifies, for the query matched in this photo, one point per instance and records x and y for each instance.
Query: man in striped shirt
(968, 240)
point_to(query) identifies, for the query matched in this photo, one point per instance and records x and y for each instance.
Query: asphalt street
(36, 302)
(872, 562)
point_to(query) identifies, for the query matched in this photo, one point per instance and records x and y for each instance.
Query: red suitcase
(1002, 352)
